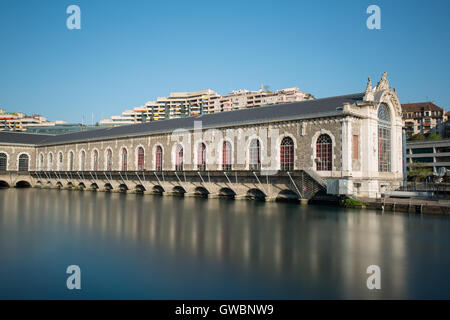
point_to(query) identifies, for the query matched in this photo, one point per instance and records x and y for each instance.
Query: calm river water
(152, 247)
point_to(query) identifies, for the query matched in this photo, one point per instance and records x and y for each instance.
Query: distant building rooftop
(417, 107)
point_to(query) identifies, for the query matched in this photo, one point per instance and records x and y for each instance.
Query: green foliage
(421, 137)
(352, 203)
(417, 171)
(434, 136)
(417, 137)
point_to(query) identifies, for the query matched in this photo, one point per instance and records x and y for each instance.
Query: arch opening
(287, 196)
(23, 184)
(384, 139)
(3, 162)
(158, 189)
(256, 194)
(324, 153)
(255, 155)
(178, 190)
(4, 185)
(158, 158)
(123, 187)
(140, 188)
(24, 161)
(108, 186)
(227, 193)
(287, 154)
(82, 185)
(201, 191)
(179, 158)
(94, 186)
(140, 158)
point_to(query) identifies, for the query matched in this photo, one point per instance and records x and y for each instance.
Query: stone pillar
(346, 146)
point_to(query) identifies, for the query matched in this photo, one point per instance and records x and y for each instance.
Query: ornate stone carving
(369, 91)
(383, 84)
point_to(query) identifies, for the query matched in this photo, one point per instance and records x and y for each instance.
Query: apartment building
(19, 121)
(446, 125)
(185, 104)
(423, 118)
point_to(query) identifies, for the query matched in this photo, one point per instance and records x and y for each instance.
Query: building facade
(186, 104)
(355, 138)
(431, 154)
(18, 121)
(423, 118)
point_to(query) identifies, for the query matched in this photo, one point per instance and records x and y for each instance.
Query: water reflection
(290, 251)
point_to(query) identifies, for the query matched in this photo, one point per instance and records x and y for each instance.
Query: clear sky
(130, 52)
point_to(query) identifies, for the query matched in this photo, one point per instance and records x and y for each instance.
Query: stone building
(355, 139)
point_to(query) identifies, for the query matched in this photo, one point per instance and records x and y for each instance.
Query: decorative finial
(368, 93)
(369, 85)
(383, 84)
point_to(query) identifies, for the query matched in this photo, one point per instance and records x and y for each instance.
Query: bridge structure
(244, 184)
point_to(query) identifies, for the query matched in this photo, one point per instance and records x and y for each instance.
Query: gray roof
(277, 112)
(8, 137)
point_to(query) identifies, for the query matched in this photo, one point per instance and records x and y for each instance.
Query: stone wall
(303, 133)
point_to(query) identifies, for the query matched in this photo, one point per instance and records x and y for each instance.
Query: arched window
(124, 159)
(140, 158)
(83, 161)
(201, 157)
(41, 162)
(179, 158)
(50, 161)
(226, 155)
(23, 163)
(109, 160)
(255, 155)
(384, 139)
(95, 160)
(3, 161)
(60, 161)
(287, 154)
(158, 158)
(70, 161)
(324, 153)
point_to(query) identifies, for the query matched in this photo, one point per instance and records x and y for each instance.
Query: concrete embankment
(410, 205)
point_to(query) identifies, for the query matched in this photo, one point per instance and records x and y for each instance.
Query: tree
(434, 136)
(417, 137)
(267, 89)
(417, 171)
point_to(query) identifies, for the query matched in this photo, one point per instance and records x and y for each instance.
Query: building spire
(368, 93)
(369, 85)
(384, 83)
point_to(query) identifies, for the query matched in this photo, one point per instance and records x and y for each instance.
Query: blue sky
(129, 52)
